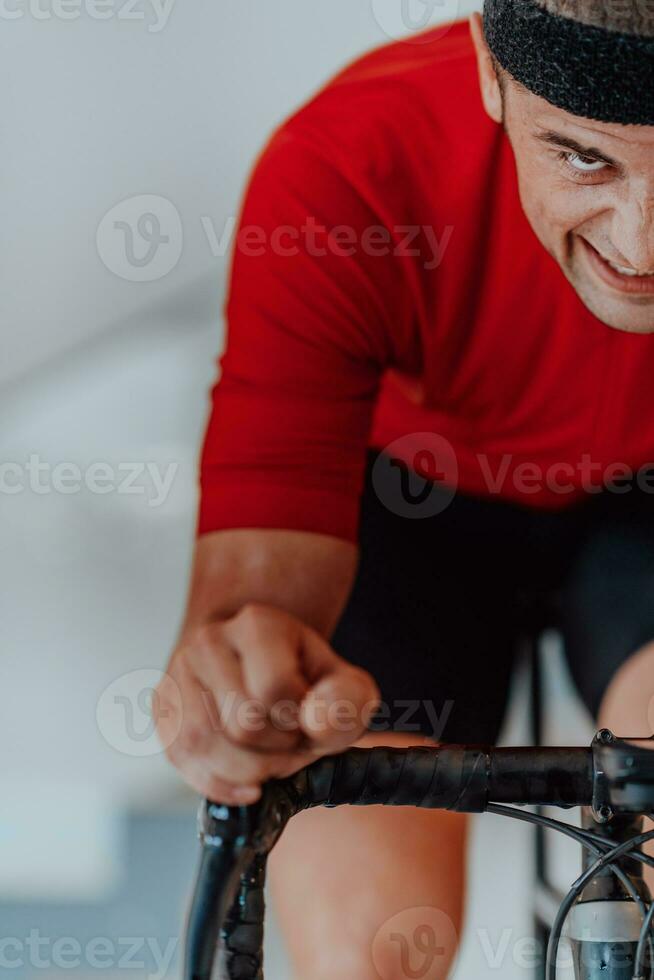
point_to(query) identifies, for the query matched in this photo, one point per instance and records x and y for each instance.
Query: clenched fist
(257, 696)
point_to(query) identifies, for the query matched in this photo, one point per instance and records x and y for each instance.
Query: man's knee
(608, 614)
(343, 963)
(417, 941)
(628, 703)
(428, 960)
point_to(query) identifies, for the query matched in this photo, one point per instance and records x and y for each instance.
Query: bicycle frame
(614, 779)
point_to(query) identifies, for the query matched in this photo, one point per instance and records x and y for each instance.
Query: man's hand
(256, 696)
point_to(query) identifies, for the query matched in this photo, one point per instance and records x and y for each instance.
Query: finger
(167, 709)
(201, 744)
(337, 711)
(269, 645)
(317, 657)
(219, 790)
(243, 718)
(235, 764)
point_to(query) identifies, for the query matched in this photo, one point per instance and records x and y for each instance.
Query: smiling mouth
(618, 277)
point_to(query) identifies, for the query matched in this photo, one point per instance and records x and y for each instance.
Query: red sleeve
(308, 339)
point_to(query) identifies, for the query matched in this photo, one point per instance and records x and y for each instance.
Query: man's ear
(491, 91)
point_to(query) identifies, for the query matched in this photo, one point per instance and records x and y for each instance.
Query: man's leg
(609, 618)
(366, 893)
(610, 621)
(371, 892)
(627, 708)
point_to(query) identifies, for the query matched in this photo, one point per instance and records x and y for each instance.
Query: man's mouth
(621, 278)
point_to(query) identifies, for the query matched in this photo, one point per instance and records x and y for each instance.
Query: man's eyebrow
(558, 139)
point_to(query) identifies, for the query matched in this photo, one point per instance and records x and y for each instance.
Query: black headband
(588, 71)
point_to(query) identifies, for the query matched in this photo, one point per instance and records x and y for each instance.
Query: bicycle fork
(604, 924)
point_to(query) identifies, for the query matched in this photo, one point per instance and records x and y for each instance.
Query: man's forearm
(251, 642)
(307, 575)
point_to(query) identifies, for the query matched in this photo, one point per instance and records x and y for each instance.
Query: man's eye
(585, 165)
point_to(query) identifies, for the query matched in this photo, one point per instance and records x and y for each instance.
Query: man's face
(587, 189)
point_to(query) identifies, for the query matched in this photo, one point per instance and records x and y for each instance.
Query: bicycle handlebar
(613, 775)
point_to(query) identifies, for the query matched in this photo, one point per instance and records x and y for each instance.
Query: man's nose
(633, 231)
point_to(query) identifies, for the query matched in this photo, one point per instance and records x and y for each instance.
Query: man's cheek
(554, 214)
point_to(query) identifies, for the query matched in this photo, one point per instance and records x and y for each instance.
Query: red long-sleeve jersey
(385, 283)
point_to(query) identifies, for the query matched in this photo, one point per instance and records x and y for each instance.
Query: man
(467, 282)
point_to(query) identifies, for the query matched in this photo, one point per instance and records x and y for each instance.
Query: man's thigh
(362, 892)
(432, 615)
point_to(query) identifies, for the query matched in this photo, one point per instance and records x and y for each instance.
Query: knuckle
(243, 737)
(256, 621)
(252, 770)
(218, 790)
(250, 615)
(237, 766)
(361, 680)
(175, 755)
(253, 623)
(192, 740)
(272, 689)
(204, 635)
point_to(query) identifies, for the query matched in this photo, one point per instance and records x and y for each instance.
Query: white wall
(98, 111)
(98, 367)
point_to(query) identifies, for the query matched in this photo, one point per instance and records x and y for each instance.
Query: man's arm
(307, 575)
(310, 332)
(253, 689)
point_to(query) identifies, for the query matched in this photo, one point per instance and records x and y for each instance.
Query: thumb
(337, 710)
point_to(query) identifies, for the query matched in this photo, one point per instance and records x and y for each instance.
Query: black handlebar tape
(541, 777)
(242, 933)
(226, 854)
(461, 778)
(449, 778)
(227, 910)
(217, 881)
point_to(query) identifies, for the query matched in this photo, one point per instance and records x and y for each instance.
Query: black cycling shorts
(441, 604)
